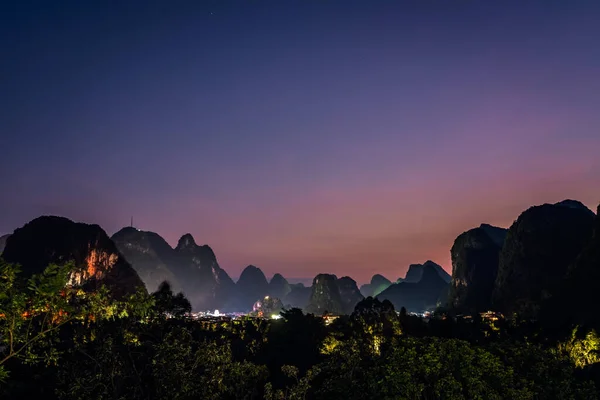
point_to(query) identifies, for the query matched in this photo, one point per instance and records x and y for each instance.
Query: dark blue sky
(352, 137)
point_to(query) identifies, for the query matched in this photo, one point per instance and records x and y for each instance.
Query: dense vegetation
(59, 342)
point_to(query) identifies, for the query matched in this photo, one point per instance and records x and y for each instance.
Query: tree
(33, 310)
(298, 390)
(184, 368)
(545, 373)
(167, 303)
(583, 347)
(296, 339)
(42, 318)
(375, 322)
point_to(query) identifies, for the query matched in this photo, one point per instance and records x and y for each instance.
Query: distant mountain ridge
(419, 296)
(150, 255)
(279, 287)
(188, 267)
(415, 272)
(298, 297)
(194, 269)
(377, 285)
(209, 285)
(349, 293)
(547, 260)
(251, 286)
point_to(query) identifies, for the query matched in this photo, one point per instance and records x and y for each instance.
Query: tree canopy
(61, 342)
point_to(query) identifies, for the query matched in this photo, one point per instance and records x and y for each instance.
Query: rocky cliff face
(49, 239)
(332, 295)
(475, 256)
(206, 285)
(251, 286)
(539, 247)
(378, 284)
(3, 242)
(415, 272)
(150, 255)
(420, 296)
(349, 294)
(189, 268)
(279, 287)
(325, 296)
(194, 270)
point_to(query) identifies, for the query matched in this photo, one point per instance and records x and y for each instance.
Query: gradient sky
(351, 137)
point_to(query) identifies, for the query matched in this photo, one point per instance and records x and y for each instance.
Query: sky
(348, 137)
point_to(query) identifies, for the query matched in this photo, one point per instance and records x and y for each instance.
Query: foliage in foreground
(59, 342)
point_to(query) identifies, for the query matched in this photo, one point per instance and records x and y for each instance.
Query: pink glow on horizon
(297, 145)
(360, 234)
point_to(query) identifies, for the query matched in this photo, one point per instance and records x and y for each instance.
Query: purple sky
(352, 137)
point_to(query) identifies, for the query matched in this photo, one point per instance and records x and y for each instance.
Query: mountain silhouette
(547, 259)
(251, 286)
(206, 285)
(279, 287)
(3, 242)
(576, 302)
(539, 248)
(325, 296)
(57, 240)
(189, 268)
(332, 295)
(475, 256)
(415, 272)
(349, 293)
(298, 297)
(377, 285)
(150, 255)
(417, 296)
